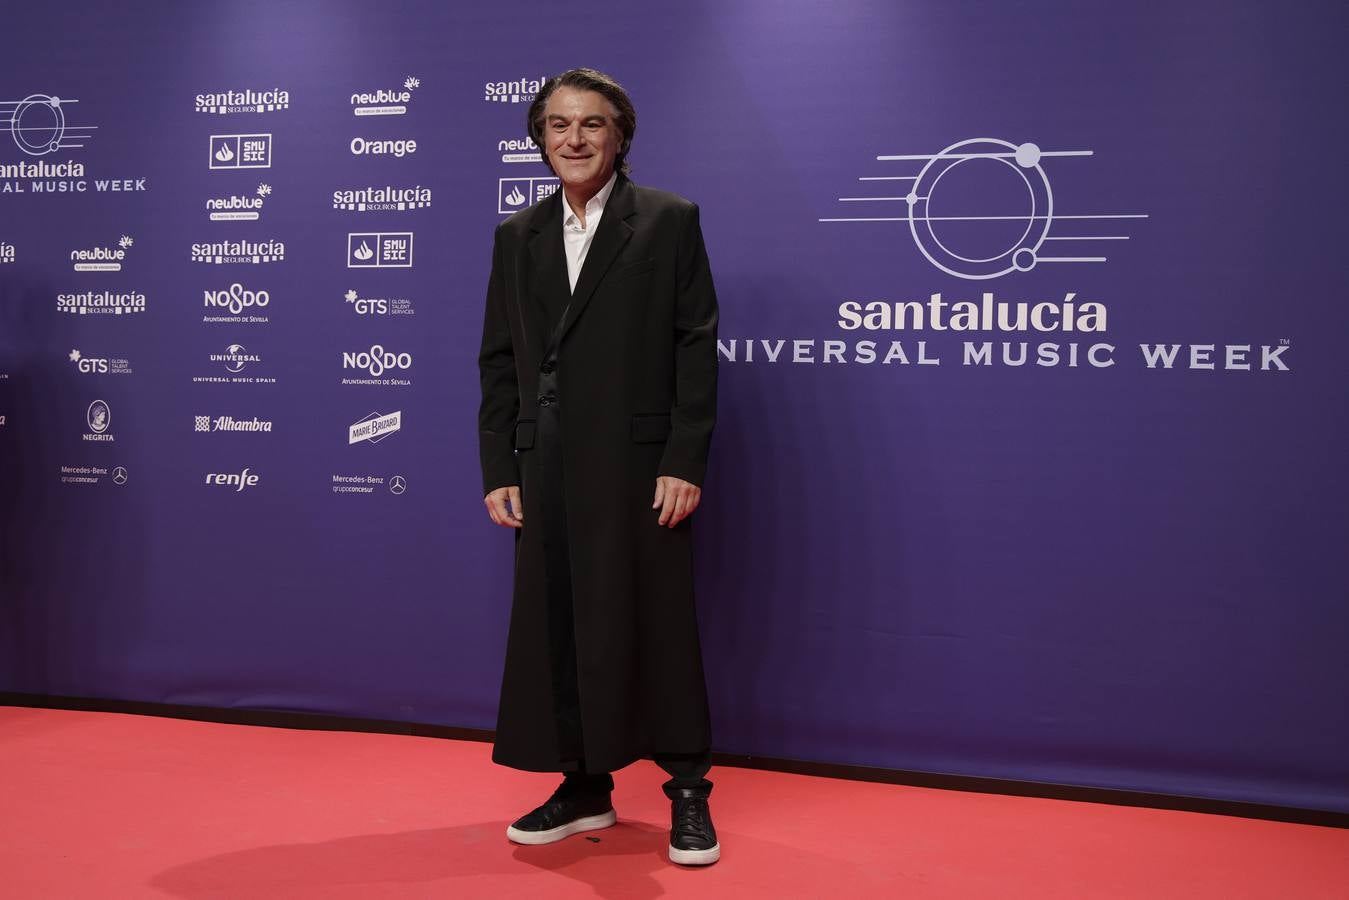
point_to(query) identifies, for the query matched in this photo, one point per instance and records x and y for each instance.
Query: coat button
(546, 399)
(548, 368)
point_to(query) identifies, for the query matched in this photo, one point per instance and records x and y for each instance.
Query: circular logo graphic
(981, 208)
(98, 417)
(237, 360)
(397, 484)
(38, 124)
(119, 475)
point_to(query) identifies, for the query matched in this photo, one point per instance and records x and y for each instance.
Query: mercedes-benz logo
(398, 484)
(119, 475)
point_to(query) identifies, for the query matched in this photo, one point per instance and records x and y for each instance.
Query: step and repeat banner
(1031, 451)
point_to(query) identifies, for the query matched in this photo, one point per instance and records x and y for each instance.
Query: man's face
(581, 137)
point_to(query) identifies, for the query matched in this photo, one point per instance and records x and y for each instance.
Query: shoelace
(691, 820)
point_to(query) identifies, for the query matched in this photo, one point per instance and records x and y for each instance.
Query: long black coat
(634, 380)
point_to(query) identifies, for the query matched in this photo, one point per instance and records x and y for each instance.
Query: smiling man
(599, 375)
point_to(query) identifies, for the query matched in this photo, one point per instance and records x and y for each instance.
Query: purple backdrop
(1119, 575)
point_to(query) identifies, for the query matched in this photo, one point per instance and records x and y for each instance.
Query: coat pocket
(650, 429)
(631, 270)
(524, 434)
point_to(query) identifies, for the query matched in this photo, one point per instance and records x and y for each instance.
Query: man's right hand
(512, 516)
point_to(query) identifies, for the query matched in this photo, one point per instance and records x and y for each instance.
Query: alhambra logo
(383, 199)
(221, 253)
(983, 208)
(212, 424)
(385, 101)
(239, 208)
(102, 259)
(245, 101)
(521, 90)
(240, 151)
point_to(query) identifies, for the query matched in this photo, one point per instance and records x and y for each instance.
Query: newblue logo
(519, 150)
(384, 102)
(237, 207)
(372, 250)
(102, 259)
(240, 151)
(245, 101)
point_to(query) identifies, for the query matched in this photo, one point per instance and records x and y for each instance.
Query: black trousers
(685, 769)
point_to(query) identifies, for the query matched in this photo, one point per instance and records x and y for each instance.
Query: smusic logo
(245, 101)
(240, 151)
(516, 193)
(379, 250)
(385, 102)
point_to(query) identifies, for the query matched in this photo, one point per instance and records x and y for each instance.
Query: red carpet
(98, 805)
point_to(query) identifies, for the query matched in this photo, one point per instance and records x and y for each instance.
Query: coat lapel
(614, 231)
(547, 265)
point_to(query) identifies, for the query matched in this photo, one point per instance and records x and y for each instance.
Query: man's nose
(574, 136)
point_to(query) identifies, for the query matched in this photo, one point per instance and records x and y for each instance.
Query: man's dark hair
(586, 80)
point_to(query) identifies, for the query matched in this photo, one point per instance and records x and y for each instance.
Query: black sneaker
(567, 812)
(693, 840)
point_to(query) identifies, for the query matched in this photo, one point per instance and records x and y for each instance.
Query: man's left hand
(676, 499)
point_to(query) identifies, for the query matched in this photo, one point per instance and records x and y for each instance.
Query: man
(598, 368)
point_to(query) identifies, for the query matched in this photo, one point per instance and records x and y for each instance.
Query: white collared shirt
(575, 237)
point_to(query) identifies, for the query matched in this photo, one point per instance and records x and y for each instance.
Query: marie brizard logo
(983, 208)
(38, 124)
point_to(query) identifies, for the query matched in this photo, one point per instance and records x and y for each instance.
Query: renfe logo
(240, 481)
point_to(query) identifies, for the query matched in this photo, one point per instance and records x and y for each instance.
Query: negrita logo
(245, 101)
(385, 102)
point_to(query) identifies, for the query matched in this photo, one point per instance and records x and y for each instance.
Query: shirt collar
(593, 206)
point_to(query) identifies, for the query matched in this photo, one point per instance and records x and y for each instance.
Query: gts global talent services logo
(245, 101)
(379, 306)
(102, 259)
(240, 151)
(239, 207)
(385, 101)
(383, 199)
(521, 90)
(237, 480)
(99, 365)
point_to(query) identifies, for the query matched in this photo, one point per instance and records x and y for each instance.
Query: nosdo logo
(102, 259)
(237, 207)
(38, 125)
(240, 151)
(983, 208)
(384, 102)
(519, 150)
(521, 90)
(236, 299)
(6, 253)
(383, 199)
(238, 481)
(376, 361)
(235, 358)
(364, 147)
(108, 303)
(245, 101)
(234, 252)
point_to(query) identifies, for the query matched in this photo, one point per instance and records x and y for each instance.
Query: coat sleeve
(695, 351)
(500, 392)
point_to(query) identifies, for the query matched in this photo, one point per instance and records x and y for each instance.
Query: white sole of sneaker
(695, 857)
(576, 826)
